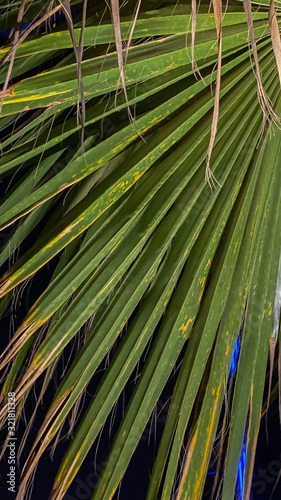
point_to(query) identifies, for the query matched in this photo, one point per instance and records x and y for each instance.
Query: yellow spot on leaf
(184, 326)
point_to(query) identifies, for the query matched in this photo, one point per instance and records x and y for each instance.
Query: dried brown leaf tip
(209, 176)
(268, 113)
(119, 48)
(193, 18)
(78, 52)
(275, 37)
(115, 14)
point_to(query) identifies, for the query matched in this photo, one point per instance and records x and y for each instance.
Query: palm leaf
(151, 259)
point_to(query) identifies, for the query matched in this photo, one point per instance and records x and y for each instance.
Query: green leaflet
(150, 26)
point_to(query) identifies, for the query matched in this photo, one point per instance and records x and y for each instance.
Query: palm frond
(144, 255)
